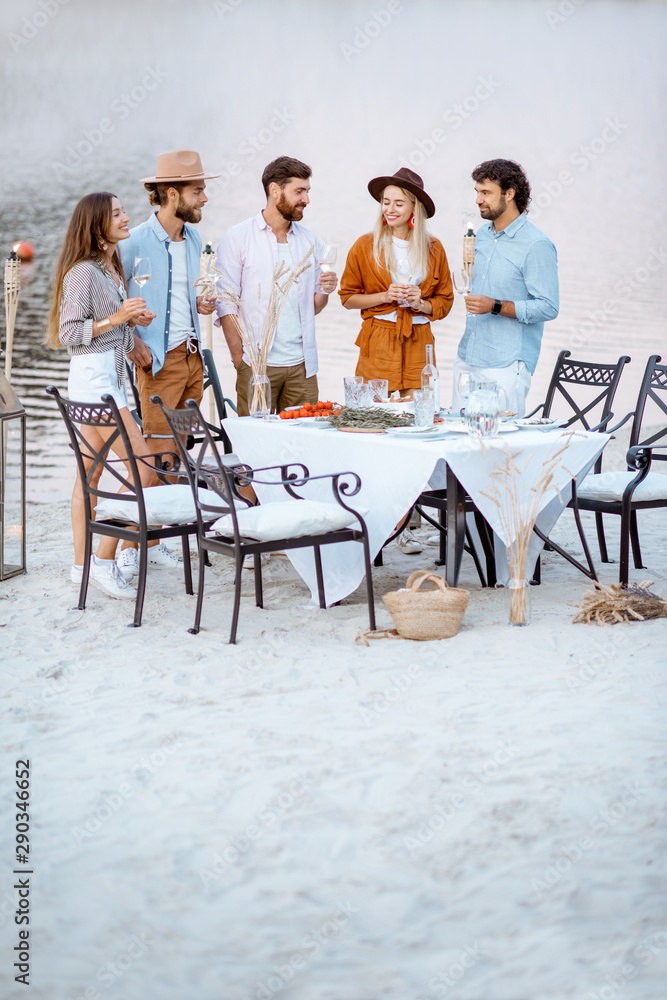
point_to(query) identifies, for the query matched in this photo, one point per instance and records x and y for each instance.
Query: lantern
(12, 482)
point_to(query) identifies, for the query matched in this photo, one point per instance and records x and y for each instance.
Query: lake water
(89, 97)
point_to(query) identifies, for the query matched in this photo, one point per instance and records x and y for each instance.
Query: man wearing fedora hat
(167, 355)
(247, 258)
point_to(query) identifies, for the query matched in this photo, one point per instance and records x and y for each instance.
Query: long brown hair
(88, 229)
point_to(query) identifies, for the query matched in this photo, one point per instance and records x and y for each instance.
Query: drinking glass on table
(380, 389)
(424, 400)
(351, 385)
(327, 260)
(461, 280)
(465, 386)
(141, 271)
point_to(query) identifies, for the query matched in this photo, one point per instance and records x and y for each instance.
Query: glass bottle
(431, 377)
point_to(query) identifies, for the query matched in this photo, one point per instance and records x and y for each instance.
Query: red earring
(384, 222)
(411, 222)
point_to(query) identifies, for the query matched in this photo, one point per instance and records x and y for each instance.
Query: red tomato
(328, 406)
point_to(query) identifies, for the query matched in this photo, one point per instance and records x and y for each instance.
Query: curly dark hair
(508, 174)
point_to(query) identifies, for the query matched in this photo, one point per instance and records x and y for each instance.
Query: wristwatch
(497, 306)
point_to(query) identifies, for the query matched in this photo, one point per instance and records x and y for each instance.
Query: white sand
(478, 818)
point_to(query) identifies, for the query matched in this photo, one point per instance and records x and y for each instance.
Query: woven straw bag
(427, 614)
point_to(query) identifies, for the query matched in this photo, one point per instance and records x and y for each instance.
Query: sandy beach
(479, 818)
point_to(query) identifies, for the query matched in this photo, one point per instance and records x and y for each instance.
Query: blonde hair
(418, 238)
(88, 229)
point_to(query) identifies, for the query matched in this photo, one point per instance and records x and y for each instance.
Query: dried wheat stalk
(517, 519)
(613, 604)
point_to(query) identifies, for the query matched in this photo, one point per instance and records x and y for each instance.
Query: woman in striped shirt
(92, 316)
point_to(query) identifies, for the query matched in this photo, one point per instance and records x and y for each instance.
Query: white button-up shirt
(247, 257)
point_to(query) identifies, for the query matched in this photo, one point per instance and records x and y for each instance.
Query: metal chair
(77, 416)
(225, 481)
(624, 493)
(587, 389)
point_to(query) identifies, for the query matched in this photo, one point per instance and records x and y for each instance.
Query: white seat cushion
(164, 505)
(287, 519)
(611, 486)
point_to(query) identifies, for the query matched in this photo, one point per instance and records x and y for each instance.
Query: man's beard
(494, 213)
(186, 213)
(289, 212)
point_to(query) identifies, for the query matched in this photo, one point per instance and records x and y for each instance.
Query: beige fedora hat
(178, 165)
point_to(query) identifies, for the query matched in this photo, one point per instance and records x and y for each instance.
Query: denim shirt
(518, 264)
(150, 240)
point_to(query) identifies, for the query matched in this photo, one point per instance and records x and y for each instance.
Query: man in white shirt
(247, 257)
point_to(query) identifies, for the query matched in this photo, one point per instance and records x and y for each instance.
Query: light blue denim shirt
(150, 240)
(518, 264)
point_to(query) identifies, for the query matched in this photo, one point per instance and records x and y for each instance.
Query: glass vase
(518, 601)
(259, 396)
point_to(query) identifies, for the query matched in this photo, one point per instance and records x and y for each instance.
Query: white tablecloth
(394, 472)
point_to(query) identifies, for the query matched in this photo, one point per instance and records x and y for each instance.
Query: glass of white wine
(141, 271)
(404, 276)
(461, 280)
(327, 260)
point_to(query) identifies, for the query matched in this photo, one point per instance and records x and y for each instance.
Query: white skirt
(92, 376)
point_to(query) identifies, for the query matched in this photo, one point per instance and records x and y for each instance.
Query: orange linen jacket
(362, 276)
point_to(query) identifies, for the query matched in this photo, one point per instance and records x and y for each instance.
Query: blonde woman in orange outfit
(398, 276)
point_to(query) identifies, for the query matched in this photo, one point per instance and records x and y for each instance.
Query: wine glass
(461, 280)
(141, 271)
(404, 276)
(465, 386)
(327, 260)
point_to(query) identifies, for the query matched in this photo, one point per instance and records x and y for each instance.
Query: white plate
(418, 432)
(527, 424)
(502, 429)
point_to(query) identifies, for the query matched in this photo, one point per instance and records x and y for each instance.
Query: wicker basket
(427, 614)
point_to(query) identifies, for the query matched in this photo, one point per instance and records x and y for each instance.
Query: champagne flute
(141, 271)
(327, 260)
(404, 276)
(461, 280)
(465, 386)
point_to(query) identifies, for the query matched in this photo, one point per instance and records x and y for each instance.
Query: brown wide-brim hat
(182, 165)
(403, 178)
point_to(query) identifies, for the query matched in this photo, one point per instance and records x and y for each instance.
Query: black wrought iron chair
(77, 416)
(624, 493)
(226, 481)
(211, 380)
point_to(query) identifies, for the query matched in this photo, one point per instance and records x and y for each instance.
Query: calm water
(355, 90)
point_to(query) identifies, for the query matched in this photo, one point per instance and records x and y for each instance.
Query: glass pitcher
(486, 402)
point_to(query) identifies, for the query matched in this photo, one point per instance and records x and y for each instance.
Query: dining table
(503, 475)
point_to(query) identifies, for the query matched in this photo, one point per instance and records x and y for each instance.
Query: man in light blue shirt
(514, 287)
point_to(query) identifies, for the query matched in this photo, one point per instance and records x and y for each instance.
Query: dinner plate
(362, 430)
(528, 423)
(502, 429)
(418, 432)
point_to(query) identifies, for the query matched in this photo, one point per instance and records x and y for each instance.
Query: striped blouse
(90, 293)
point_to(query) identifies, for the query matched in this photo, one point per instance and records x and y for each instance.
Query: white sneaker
(128, 563)
(160, 557)
(408, 544)
(76, 573)
(105, 575)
